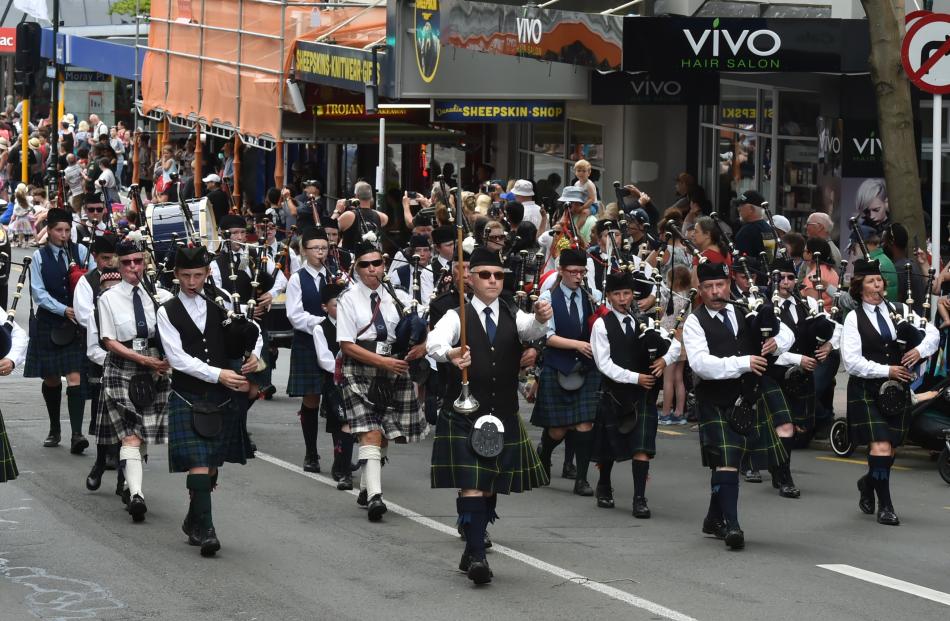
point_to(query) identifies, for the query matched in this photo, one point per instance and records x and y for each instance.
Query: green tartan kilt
(186, 449)
(801, 404)
(556, 407)
(454, 464)
(306, 376)
(43, 359)
(866, 423)
(8, 469)
(610, 444)
(721, 446)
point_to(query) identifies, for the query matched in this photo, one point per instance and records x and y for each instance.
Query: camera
(412, 194)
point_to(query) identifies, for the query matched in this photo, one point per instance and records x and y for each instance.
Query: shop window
(548, 138)
(738, 107)
(586, 142)
(551, 171)
(798, 113)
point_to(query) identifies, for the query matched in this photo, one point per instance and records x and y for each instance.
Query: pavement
(296, 548)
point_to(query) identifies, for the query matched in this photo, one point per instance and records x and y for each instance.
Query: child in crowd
(674, 387)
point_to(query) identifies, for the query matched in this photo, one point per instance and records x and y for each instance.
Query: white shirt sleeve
(443, 336)
(216, 274)
(93, 351)
(673, 353)
(600, 347)
(851, 354)
(931, 340)
(784, 340)
(346, 327)
(704, 364)
(280, 284)
(83, 304)
(325, 357)
(107, 329)
(299, 318)
(20, 341)
(529, 328)
(179, 360)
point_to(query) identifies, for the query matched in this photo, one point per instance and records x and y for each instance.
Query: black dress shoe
(137, 508)
(94, 480)
(752, 476)
(605, 497)
(866, 501)
(189, 527)
(582, 488)
(209, 542)
(715, 527)
(345, 483)
(887, 516)
(488, 542)
(362, 500)
(640, 509)
(269, 391)
(376, 508)
(788, 490)
(78, 443)
(734, 537)
(51, 440)
(335, 472)
(311, 463)
(466, 561)
(568, 471)
(479, 572)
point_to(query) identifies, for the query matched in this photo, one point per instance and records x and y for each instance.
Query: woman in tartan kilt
(16, 355)
(872, 355)
(378, 395)
(127, 329)
(629, 376)
(495, 332)
(720, 352)
(207, 409)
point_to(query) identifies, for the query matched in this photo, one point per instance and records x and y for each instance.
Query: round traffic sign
(925, 53)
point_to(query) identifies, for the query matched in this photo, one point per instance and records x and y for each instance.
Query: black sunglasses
(491, 274)
(365, 264)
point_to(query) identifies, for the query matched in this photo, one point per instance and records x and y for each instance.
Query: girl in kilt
(495, 332)
(629, 377)
(378, 395)
(871, 356)
(127, 328)
(560, 407)
(52, 293)
(16, 355)
(207, 409)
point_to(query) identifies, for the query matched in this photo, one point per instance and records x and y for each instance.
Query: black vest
(797, 327)
(564, 360)
(243, 281)
(208, 346)
(722, 345)
(626, 353)
(873, 347)
(493, 375)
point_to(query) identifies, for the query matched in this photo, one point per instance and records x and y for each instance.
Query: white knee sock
(372, 470)
(132, 457)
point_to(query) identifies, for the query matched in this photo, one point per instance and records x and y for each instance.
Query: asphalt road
(296, 548)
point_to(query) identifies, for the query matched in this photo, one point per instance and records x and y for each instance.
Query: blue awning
(115, 59)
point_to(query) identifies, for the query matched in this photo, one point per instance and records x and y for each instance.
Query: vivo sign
(743, 49)
(529, 30)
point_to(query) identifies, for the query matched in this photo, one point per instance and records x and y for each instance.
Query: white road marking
(563, 574)
(891, 583)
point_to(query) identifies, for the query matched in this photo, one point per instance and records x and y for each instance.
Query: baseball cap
(212, 178)
(782, 224)
(749, 196)
(522, 187)
(573, 194)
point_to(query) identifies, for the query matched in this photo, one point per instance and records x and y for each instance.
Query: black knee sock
(53, 396)
(640, 471)
(728, 482)
(880, 479)
(474, 519)
(569, 446)
(714, 512)
(337, 450)
(787, 444)
(346, 451)
(605, 468)
(94, 405)
(101, 451)
(309, 423)
(76, 406)
(583, 442)
(491, 502)
(200, 486)
(548, 444)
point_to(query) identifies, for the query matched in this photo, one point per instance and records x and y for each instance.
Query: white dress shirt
(548, 283)
(117, 314)
(274, 250)
(852, 355)
(789, 359)
(426, 284)
(280, 281)
(600, 347)
(325, 357)
(299, 318)
(83, 303)
(355, 312)
(446, 333)
(20, 341)
(532, 213)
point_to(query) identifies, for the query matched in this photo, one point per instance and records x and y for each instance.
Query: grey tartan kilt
(399, 418)
(124, 419)
(454, 465)
(8, 469)
(187, 450)
(801, 404)
(306, 376)
(866, 423)
(610, 444)
(556, 407)
(43, 359)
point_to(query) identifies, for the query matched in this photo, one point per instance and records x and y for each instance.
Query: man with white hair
(524, 194)
(98, 129)
(821, 225)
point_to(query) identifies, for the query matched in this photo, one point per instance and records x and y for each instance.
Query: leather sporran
(574, 380)
(741, 417)
(487, 437)
(625, 411)
(207, 419)
(63, 333)
(142, 390)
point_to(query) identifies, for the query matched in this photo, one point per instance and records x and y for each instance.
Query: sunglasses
(497, 238)
(95, 209)
(788, 277)
(491, 274)
(364, 264)
(127, 262)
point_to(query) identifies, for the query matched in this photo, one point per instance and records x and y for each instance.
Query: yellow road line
(860, 462)
(669, 433)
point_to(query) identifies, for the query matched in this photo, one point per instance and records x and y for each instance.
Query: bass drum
(166, 220)
(277, 325)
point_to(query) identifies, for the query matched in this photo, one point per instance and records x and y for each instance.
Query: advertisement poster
(866, 199)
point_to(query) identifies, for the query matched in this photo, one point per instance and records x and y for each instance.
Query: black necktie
(489, 325)
(141, 328)
(725, 321)
(575, 316)
(62, 259)
(882, 325)
(378, 322)
(787, 309)
(323, 282)
(628, 329)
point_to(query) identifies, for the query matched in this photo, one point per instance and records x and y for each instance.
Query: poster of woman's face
(870, 203)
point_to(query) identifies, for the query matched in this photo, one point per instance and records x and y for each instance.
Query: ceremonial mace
(466, 403)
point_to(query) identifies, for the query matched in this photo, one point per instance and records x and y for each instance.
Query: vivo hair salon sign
(694, 44)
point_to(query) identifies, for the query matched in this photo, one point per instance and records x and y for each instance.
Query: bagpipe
(6, 330)
(241, 333)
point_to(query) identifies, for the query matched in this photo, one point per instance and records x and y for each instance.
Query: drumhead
(164, 219)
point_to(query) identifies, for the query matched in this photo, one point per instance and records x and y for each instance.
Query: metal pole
(54, 104)
(25, 141)
(937, 149)
(381, 168)
(136, 78)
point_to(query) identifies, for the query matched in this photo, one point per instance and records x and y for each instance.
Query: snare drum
(165, 219)
(277, 325)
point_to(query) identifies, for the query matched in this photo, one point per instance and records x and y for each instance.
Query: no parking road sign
(925, 53)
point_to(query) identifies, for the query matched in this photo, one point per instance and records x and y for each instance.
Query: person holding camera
(358, 218)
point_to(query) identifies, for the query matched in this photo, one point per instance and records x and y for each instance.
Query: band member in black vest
(872, 354)
(495, 330)
(402, 276)
(627, 417)
(87, 231)
(135, 383)
(205, 418)
(720, 353)
(443, 254)
(14, 357)
(236, 260)
(378, 395)
(569, 387)
(56, 347)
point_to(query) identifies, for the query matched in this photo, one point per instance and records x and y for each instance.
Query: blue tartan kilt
(43, 359)
(454, 464)
(306, 376)
(866, 422)
(556, 407)
(186, 449)
(8, 469)
(610, 444)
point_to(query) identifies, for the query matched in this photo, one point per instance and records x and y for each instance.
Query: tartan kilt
(331, 405)
(721, 446)
(43, 359)
(866, 423)
(556, 407)
(454, 465)
(399, 419)
(802, 404)
(94, 393)
(773, 411)
(306, 376)
(121, 415)
(610, 444)
(8, 469)
(187, 450)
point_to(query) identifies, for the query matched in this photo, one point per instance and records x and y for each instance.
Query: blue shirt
(566, 291)
(8, 213)
(40, 295)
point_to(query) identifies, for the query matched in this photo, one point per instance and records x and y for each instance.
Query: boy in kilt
(16, 355)
(720, 353)
(492, 357)
(627, 417)
(127, 329)
(208, 403)
(872, 354)
(56, 319)
(378, 395)
(569, 385)
(305, 312)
